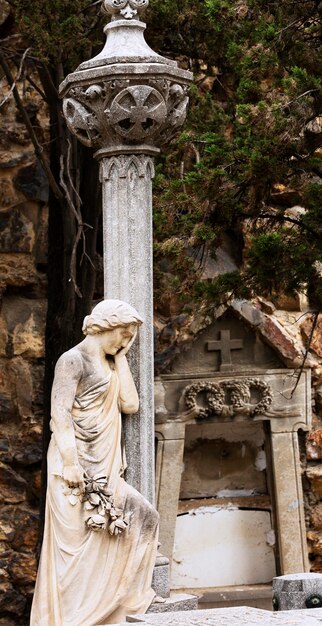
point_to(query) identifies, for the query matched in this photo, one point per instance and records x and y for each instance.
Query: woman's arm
(129, 399)
(67, 375)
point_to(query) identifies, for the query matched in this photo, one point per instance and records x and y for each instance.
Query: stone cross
(225, 345)
(125, 103)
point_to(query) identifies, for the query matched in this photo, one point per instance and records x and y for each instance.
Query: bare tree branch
(196, 152)
(89, 6)
(35, 86)
(297, 21)
(75, 207)
(39, 151)
(302, 95)
(8, 96)
(315, 321)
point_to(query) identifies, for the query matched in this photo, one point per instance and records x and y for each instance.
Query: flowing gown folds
(87, 577)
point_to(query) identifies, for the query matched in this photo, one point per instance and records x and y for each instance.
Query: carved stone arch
(134, 162)
(108, 167)
(142, 164)
(150, 168)
(139, 162)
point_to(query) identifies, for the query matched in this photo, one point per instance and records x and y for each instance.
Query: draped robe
(86, 577)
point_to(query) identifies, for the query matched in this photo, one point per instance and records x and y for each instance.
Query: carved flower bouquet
(98, 498)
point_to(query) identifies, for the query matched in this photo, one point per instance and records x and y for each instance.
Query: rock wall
(23, 288)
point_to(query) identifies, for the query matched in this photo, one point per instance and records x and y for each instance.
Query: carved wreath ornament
(231, 398)
(98, 500)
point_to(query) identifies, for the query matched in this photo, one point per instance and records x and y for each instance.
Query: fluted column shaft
(127, 236)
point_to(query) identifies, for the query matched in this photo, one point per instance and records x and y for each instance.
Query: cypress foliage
(250, 151)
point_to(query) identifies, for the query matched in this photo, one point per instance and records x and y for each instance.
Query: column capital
(127, 98)
(117, 115)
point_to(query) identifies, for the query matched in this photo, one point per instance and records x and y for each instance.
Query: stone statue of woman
(100, 537)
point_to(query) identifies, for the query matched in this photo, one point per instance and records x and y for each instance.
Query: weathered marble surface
(237, 540)
(298, 591)
(241, 616)
(305, 615)
(127, 222)
(100, 536)
(175, 602)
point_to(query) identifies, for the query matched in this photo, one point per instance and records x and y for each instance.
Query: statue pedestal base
(161, 577)
(161, 586)
(176, 602)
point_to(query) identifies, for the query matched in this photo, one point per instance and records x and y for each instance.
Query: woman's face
(113, 341)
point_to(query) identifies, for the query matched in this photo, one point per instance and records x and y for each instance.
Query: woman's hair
(110, 314)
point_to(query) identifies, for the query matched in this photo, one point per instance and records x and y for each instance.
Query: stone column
(171, 439)
(289, 500)
(127, 234)
(126, 103)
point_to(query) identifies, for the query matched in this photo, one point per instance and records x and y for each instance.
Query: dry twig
(39, 151)
(75, 207)
(8, 96)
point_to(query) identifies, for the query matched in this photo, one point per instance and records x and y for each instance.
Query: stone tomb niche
(224, 496)
(220, 461)
(228, 474)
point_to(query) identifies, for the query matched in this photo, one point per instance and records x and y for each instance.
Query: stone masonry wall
(23, 219)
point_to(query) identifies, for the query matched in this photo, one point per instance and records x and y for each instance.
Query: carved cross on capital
(225, 345)
(124, 9)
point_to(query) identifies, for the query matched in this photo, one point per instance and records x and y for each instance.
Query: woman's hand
(125, 350)
(74, 476)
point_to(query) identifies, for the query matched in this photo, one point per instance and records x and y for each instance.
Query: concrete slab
(238, 540)
(241, 616)
(176, 602)
(305, 614)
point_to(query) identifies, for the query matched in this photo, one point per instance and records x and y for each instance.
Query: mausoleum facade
(229, 481)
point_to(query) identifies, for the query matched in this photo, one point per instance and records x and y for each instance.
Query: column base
(161, 586)
(161, 577)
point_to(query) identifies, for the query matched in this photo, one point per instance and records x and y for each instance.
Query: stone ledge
(176, 602)
(253, 596)
(236, 592)
(238, 616)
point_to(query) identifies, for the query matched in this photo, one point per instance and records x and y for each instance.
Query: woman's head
(110, 314)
